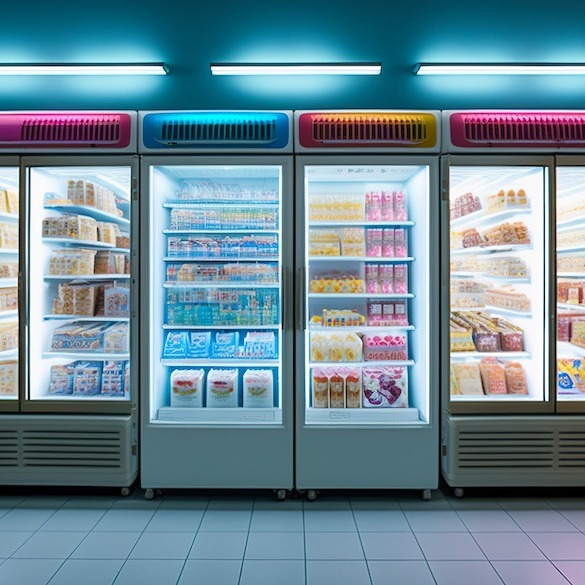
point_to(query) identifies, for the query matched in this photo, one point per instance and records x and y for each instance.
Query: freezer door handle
(301, 297)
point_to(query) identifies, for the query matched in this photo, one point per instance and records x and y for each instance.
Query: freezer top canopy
(371, 131)
(68, 131)
(215, 131)
(514, 131)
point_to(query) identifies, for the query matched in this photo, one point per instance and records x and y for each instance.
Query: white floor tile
(464, 573)
(226, 521)
(561, 546)
(488, 521)
(508, 546)
(333, 545)
(124, 520)
(434, 521)
(163, 545)
(42, 502)
(149, 572)
(87, 572)
(449, 546)
(400, 573)
(529, 573)
(396, 546)
(219, 545)
(277, 520)
(12, 541)
(183, 503)
(28, 571)
(541, 521)
(106, 545)
(175, 520)
(24, 519)
(575, 517)
(272, 572)
(73, 520)
(337, 573)
(275, 545)
(381, 521)
(50, 545)
(329, 521)
(574, 571)
(375, 504)
(211, 572)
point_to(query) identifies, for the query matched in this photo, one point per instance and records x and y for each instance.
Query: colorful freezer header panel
(514, 130)
(216, 131)
(71, 131)
(378, 131)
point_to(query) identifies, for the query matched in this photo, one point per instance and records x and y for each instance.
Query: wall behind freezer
(188, 35)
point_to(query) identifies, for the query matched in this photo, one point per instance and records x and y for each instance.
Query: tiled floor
(353, 539)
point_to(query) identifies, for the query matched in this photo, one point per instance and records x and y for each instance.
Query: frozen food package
(9, 378)
(187, 388)
(516, 382)
(336, 388)
(61, 379)
(385, 387)
(353, 388)
(116, 338)
(222, 388)
(352, 348)
(385, 346)
(570, 376)
(87, 378)
(493, 375)
(453, 384)
(467, 378)
(319, 347)
(199, 343)
(176, 344)
(113, 373)
(225, 344)
(258, 389)
(116, 301)
(320, 383)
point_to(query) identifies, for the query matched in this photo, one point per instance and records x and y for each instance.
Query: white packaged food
(258, 389)
(187, 388)
(222, 388)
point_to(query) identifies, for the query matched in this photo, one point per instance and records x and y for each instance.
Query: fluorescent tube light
(83, 69)
(296, 68)
(500, 69)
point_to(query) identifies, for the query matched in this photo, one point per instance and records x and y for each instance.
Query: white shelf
(495, 398)
(506, 311)
(8, 216)
(362, 258)
(248, 231)
(82, 277)
(218, 285)
(8, 397)
(481, 217)
(81, 397)
(361, 416)
(236, 204)
(486, 276)
(219, 416)
(358, 329)
(8, 282)
(360, 296)
(359, 223)
(9, 250)
(85, 355)
(571, 274)
(364, 364)
(566, 348)
(85, 318)
(579, 308)
(221, 362)
(9, 354)
(461, 355)
(221, 259)
(219, 327)
(87, 210)
(6, 314)
(78, 243)
(575, 248)
(573, 222)
(491, 249)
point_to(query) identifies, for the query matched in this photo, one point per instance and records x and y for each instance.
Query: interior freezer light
(500, 69)
(83, 69)
(296, 68)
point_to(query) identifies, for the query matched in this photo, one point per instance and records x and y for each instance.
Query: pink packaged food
(385, 346)
(400, 206)
(401, 278)
(385, 387)
(387, 206)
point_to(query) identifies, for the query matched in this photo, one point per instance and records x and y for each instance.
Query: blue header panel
(235, 131)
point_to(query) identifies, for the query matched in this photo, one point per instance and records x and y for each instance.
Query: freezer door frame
(13, 161)
(199, 468)
(561, 406)
(84, 406)
(420, 441)
(492, 407)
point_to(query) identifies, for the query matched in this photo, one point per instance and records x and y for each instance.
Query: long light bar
(296, 68)
(500, 69)
(83, 69)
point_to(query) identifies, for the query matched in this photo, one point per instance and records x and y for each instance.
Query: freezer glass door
(366, 308)
(570, 224)
(216, 294)
(9, 212)
(79, 283)
(498, 285)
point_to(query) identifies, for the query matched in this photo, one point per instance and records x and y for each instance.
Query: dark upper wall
(189, 34)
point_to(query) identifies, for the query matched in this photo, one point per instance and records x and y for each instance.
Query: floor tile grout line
(361, 542)
(488, 559)
(246, 543)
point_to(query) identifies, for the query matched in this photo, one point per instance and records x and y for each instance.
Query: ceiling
(188, 35)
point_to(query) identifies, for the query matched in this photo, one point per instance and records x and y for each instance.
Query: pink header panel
(81, 130)
(517, 129)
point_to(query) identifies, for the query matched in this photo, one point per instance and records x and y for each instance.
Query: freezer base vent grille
(513, 451)
(9, 449)
(55, 129)
(518, 129)
(367, 129)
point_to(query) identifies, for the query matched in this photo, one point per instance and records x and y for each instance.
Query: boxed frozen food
(258, 389)
(259, 344)
(116, 338)
(107, 262)
(72, 261)
(107, 232)
(116, 300)
(79, 336)
(493, 375)
(8, 335)
(9, 235)
(336, 389)
(466, 378)
(70, 225)
(353, 388)
(353, 241)
(8, 299)
(199, 343)
(61, 379)
(187, 388)
(516, 382)
(113, 378)
(222, 388)
(176, 344)
(320, 388)
(8, 269)
(385, 346)
(385, 387)
(87, 378)
(571, 376)
(9, 378)
(224, 344)
(76, 299)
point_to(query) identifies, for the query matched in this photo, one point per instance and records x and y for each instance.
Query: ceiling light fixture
(499, 69)
(296, 68)
(83, 69)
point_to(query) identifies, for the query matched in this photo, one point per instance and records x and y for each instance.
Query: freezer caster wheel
(459, 492)
(125, 491)
(280, 495)
(312, 495)
(149, 494)
(426, 495)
